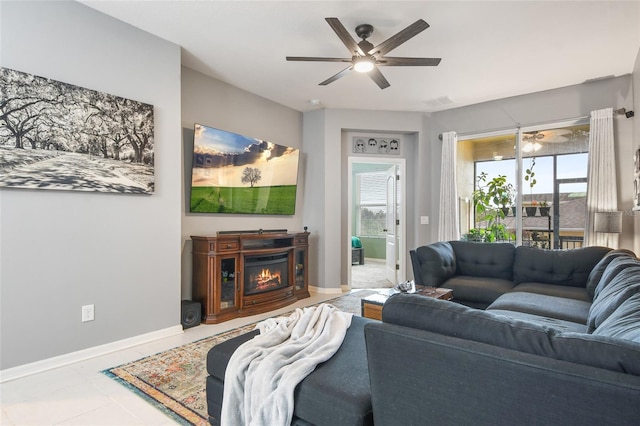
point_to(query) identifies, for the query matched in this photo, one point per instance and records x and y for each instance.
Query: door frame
(401, 163)
(391, 235)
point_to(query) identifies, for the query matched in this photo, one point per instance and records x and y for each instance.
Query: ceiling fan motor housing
(364, 31)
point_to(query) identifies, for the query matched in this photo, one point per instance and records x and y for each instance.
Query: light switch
(424, 220)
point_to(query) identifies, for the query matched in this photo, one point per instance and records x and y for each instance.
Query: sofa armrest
(417, 375)
(433, 264)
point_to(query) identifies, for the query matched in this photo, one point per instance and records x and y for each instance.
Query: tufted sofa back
(560, 267)
(489, 260)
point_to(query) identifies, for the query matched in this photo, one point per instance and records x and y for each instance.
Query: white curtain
(448, 228)
(602, 192)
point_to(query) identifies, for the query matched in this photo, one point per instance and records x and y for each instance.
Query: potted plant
(501, 193)
(492, 199)
(499, 232)
(532, 209)
(544, 208)
(482, 200)
(475, 235)
(530, 178)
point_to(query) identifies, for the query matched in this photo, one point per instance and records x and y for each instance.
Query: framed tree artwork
(55, 135)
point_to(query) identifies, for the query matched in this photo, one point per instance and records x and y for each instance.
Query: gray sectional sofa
(557, 342)
(479, 273)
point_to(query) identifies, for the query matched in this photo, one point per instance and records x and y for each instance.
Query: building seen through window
(550, 197)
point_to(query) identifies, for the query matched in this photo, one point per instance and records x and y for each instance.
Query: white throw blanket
(263, 372)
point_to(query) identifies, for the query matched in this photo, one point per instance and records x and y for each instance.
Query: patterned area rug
(174, 380)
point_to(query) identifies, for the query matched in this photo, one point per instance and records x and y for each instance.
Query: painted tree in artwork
(251, 175)
(39, 113)
(141, 135)
(26, 101)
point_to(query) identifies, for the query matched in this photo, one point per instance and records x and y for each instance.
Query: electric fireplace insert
(264, 273)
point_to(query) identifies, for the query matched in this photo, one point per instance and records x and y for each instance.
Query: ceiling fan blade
(377, 76)
(396, 40)
(336, 76)
(397, 61)
(344, 35)
(315, 59)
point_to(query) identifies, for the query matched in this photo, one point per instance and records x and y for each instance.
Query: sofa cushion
(624, 285)
(599, 351)
(336, 392)
(491, 260)
(624, 322)
(598, 270)
(562, 267)
(433, 264)
(554, 323)
(577, 293)
(218, 359)
(543, 305)
(452, 319)
(615, 266)
(479, 289)
(355, 242)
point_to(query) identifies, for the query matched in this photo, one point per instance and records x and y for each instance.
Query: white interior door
(391, 230)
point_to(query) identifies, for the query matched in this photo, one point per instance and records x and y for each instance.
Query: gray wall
(539, 108)
(636, 141)
(374, 247)
(211, 102)
(64, 249)
(326, 203)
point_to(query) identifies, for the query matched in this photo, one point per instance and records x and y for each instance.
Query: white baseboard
(84, 354)
(324, 290)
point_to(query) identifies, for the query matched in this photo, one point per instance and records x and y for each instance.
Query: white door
(391, 226)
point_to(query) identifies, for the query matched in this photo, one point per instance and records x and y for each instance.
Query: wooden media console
(242, 273)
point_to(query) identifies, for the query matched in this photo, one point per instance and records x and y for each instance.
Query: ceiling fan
(365, 57)
(532, 139)
(549, 136)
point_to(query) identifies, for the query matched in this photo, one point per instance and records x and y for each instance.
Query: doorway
(376, 225)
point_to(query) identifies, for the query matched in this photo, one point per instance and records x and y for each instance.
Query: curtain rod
(618, 111)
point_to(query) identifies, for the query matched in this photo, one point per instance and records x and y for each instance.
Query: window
(371, 203)
(552, 189)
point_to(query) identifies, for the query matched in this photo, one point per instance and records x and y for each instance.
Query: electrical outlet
(424, 220)
(88, 312)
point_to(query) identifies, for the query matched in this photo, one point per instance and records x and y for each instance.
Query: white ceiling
(489, 50)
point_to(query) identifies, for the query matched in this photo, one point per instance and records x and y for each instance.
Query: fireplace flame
(264, 274)
(267, 279)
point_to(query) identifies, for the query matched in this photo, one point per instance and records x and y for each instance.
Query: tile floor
(79, 394)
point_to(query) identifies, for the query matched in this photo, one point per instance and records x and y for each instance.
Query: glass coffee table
(371, 306)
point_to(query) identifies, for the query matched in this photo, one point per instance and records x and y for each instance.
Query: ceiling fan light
(363, 64)
(531, 146)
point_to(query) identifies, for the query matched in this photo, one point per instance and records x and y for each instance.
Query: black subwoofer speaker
(190, 314)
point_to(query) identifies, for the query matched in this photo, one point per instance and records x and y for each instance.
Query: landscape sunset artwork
(232, 173)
